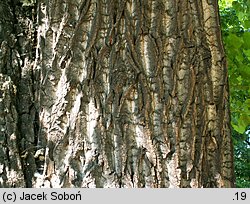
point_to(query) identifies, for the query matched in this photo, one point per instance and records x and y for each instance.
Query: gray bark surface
(113, 94)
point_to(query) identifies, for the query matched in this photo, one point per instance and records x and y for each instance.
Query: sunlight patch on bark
(194, 183)
(174, 172)
(145, 54)
(139, 136)
(75, 111)
(13, 176)
(92, 121)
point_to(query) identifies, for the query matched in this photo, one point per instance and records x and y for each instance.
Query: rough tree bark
(113, 93)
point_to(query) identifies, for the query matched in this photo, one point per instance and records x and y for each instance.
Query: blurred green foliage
(235, 25)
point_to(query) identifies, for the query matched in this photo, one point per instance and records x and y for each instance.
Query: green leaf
(247, 53)
(246, 24)
(239, 57)
(246, 38)
(244, 71)
(241, 16)
(236, 5)
(244, 122)
(240, 129)
(234, 41)
(247, 102)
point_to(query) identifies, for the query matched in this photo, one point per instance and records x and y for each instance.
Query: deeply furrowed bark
(120, 93)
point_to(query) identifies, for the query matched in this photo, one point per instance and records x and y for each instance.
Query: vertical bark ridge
(218, 107)
(19, 113)
(10, 160)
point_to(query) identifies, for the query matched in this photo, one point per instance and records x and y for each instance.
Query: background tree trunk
(113, 93)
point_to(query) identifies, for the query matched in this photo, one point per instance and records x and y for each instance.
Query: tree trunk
(113, 93)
